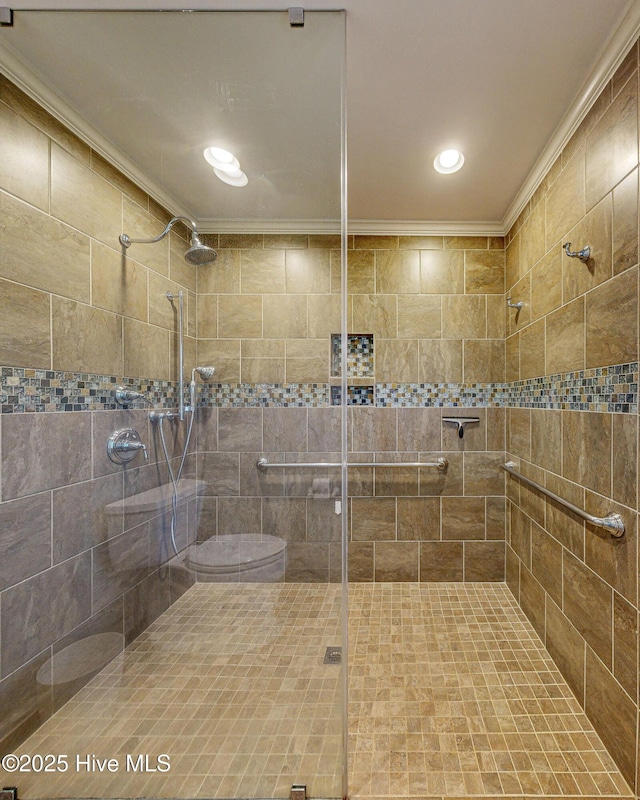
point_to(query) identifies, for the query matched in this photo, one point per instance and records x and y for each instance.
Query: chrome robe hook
(584, 255)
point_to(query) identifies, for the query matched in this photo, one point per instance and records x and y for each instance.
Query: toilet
(240, 558)
(155, 507)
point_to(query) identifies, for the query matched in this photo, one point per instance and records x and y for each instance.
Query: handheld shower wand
(206, 373)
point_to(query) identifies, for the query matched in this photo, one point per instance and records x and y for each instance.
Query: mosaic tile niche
(360, 369)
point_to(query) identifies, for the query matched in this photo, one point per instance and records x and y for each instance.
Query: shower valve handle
(123, 446)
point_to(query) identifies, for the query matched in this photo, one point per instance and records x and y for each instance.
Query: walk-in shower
(177, 627)
(223, 586)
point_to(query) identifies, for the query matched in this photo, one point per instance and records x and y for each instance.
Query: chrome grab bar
(441, 464)
(613, 522)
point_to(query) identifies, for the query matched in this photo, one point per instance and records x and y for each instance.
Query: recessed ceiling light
(235, 178)
(222, 159)
(226, 166)
(448, 161)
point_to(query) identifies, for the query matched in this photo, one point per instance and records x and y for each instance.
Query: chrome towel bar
(613, 522)
(441, 464)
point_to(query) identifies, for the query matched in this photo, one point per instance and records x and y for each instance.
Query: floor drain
(333, 655)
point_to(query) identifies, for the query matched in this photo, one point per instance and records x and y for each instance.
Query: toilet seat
(239, 554)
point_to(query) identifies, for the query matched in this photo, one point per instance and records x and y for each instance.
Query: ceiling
(504, 81)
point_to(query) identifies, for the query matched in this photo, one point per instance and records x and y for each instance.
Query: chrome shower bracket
(514, 305)
(160, 416)
(584, 255)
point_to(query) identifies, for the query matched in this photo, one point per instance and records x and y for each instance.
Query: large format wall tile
(612, 146)
(25, 329)
(625, 223)
(565, 201)
(24, 707)
(86, 339)
(25, 544)
(118, 284)
(81, 519)
(28, 467)
(611, 321)
(36, 613)
(140, 224)
(398, 272)
(586, 449)
(57, 255)
(613, 713)
(24, 153)
(84, 200)
(565, 338)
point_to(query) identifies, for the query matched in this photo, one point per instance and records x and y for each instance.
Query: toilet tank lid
(157, 499)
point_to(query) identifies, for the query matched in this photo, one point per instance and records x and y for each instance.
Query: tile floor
(229, 682)
(451, 695)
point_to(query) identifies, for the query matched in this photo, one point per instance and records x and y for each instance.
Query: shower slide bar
(441, 464)
(613, 522)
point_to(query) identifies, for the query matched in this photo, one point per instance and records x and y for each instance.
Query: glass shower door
(172, 620)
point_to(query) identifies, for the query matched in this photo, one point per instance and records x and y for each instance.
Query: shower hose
(175, 476)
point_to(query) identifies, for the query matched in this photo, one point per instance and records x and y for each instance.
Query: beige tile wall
(435, 305)
(436, 309)
(81, 306)
(578, 585)
(70, 301)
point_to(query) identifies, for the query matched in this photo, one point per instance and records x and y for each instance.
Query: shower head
(197, 253)
(206, 373)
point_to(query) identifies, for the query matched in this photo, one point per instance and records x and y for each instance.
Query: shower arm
(127, 241)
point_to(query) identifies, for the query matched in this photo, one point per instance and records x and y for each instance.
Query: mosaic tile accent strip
(613, 389)
(359, 355)
(444, 395)
(258, 395)
(356, 395)
(36, 390)
(602, 389)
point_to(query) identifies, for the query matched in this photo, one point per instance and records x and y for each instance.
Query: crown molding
(355, 227)
(284, 226)
(423, 228)
(610, 59)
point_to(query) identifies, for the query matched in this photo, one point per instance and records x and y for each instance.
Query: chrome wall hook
(584, 255)
(514, 305)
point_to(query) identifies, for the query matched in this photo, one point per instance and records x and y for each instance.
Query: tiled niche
(360, 369)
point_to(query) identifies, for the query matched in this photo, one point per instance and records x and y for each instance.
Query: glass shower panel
(172, 608)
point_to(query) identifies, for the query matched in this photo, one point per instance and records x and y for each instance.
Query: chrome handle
(123, 446)
(613, 523)
(263, 464)
(125, 396)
